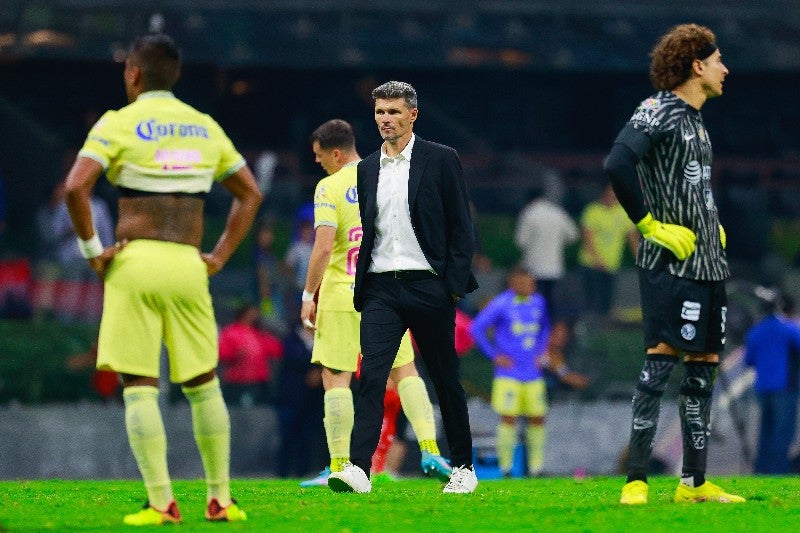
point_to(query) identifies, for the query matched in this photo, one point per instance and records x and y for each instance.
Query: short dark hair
(673, 55)
(159, 58)
(396, 89)
(335, 133)
(519, 270)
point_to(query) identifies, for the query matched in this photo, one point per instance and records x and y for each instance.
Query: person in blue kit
(512, 330)
(772, 348)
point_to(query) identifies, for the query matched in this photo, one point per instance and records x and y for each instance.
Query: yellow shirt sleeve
(103, 144)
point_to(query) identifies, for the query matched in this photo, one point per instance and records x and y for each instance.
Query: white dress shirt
(396, 246)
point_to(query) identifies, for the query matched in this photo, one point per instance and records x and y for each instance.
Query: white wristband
(307, 296)
(90, 248)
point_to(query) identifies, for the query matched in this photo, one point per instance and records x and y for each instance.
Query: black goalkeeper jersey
(674, 172)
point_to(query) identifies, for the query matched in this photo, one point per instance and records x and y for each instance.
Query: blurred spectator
(542, 233)
(56, 230)
(512, 331)
(772, 347)
(268, 279)
(3, 213)
(15, 289)
(299, 252)
(45, 214)
(296, 262)
(245, 352)
(554, 361)
(605, 227)
(105, 383)
(491, 282)
(299, 400)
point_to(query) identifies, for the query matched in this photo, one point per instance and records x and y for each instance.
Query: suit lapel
(419, 158)
(371, 182)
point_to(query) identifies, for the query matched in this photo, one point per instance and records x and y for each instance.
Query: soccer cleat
(707, 492)
(351, 479)
(462, 481)
(320, 481)
(634, 493)
(436, 465)
(217, 513)
(150, 516)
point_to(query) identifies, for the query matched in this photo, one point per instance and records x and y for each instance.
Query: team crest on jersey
(688, 331)
(650, 103)
(351, 195)
(644, 117)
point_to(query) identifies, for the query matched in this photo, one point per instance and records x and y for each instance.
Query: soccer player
(336, 323)
(660, 167)
(163, 156)
(512, 330)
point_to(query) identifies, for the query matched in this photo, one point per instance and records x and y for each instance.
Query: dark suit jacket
(437, 198)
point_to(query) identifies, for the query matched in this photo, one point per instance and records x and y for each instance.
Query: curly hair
(673, 55)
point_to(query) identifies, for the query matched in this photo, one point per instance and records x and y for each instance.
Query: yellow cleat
(217, 513)
(707, 492)
(150, 516)
(634, 493)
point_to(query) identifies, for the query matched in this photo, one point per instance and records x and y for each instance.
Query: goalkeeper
(660, 168)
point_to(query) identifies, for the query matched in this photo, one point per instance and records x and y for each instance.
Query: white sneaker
(462, 481)
(351, 479)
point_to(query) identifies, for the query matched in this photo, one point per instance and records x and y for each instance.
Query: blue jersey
(772, 347)
(520, 329)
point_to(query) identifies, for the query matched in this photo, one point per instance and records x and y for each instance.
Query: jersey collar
(156, 94)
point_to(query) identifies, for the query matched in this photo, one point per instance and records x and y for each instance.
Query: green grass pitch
(415, 505)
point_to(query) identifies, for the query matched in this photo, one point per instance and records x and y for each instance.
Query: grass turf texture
(545, 504)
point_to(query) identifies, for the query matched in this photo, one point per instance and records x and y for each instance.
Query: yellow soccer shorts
(156, 292)
(511, 397)
(337, 341)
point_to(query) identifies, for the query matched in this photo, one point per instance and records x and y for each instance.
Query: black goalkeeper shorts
(685, 313)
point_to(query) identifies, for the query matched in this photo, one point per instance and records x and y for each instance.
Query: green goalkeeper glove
(723, 237)
(677, 239)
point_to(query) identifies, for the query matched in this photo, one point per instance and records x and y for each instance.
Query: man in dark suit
(413, 267)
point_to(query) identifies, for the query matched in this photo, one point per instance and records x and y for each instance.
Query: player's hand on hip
(100, 263)
(679, 240)
(213, 264)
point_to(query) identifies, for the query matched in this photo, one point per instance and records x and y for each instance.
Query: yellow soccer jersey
(160, 144)
(336, 205)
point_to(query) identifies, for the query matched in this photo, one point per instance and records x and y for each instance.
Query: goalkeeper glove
(723, 237)
(677, 239)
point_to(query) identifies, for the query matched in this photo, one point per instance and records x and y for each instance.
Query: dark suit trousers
(390, 307)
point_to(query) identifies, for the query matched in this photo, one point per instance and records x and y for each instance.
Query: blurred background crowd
(530, 93)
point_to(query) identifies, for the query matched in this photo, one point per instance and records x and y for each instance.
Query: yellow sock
(338, 421)
(430, 446)
(534, 438)
(419, 411)
(148, 442)
(506, 440)
(212, 433)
